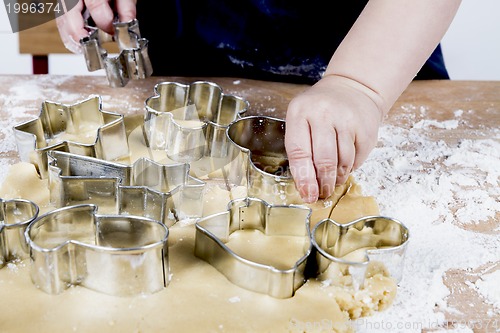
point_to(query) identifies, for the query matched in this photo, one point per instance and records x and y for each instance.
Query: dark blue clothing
(277, 40)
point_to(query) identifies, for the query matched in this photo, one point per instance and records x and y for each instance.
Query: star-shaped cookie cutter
(164, 192)
(212, 234)
(259, 149)
(380, 239)
(113, 254)
(59, 125)
(189, 121)
(15, 216)
(132, 62)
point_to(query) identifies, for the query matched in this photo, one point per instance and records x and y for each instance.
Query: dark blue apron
(277, 40)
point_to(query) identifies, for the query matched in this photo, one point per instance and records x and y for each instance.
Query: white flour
(405, 175)
(10, 104)
(487, 286)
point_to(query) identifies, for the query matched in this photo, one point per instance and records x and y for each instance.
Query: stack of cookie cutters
(15, 216)
(58, 124)
(189, 121)
(113, 254)
(212, 232)
(132, 62)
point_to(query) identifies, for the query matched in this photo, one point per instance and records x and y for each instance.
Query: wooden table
(475, 104)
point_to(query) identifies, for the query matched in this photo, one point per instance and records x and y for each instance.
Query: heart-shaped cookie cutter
(164, 192)
(212, 234)
(380, 239)
(58, 125)
(189, 121)
(132, 62)
(113, 254)
(15, 216)
(260, 143)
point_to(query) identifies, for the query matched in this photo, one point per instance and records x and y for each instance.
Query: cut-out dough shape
(212, 232)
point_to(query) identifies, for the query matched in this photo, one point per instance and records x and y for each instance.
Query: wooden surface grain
(44, 39)
(478, 101)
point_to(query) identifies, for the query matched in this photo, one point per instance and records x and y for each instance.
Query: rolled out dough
(198, 296)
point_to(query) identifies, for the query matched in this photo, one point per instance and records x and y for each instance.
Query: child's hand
(330, 130)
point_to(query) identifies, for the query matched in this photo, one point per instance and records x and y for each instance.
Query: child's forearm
(389, 43)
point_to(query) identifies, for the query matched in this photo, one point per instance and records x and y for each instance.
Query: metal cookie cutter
(162, 192)
(259, 141)
(132, 61)
(15, 215)
(190, 121)
(60, 127)
(212, 234)
(377, 240)
(113, 254)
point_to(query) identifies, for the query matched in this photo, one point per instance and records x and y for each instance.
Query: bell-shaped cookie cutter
(15, 216)
(189, 121)
(384, 240)
(59, 125)
(260, 142)
(212, 232)
(113, 254)
(132, 62)
(164, 192)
